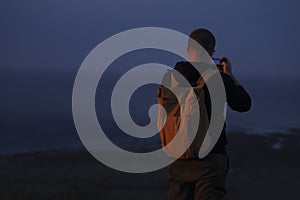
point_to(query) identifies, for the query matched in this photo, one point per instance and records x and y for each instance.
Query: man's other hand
(226, 66)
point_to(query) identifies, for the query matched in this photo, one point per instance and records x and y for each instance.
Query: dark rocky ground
(261, 167)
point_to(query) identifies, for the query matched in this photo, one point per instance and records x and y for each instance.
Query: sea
(36, 110)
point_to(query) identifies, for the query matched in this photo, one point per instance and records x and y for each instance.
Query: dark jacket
(237, 98)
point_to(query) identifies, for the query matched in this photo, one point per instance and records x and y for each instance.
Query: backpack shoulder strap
(206, 75)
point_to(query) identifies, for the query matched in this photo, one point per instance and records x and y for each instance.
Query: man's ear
(188, 50)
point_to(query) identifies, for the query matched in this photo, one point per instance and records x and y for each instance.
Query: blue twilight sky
(44, 42)
(260, 37)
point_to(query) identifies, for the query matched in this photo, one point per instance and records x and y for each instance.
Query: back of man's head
(203, 37)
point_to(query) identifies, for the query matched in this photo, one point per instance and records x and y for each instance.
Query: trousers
(198, 179)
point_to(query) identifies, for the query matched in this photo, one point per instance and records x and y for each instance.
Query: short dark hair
(203, 37)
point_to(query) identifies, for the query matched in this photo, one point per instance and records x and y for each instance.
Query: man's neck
(194, 59)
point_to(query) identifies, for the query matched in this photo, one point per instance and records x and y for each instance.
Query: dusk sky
(260, 37)
(44, 42)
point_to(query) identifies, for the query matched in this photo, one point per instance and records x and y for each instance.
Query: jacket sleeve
(237, 97)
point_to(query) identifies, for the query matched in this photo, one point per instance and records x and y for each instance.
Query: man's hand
(226, 65)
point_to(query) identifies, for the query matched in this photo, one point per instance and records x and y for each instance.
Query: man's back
(237, 97)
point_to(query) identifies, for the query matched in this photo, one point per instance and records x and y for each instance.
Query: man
(204, 179)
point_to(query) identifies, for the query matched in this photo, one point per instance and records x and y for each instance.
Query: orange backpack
(182, 116)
